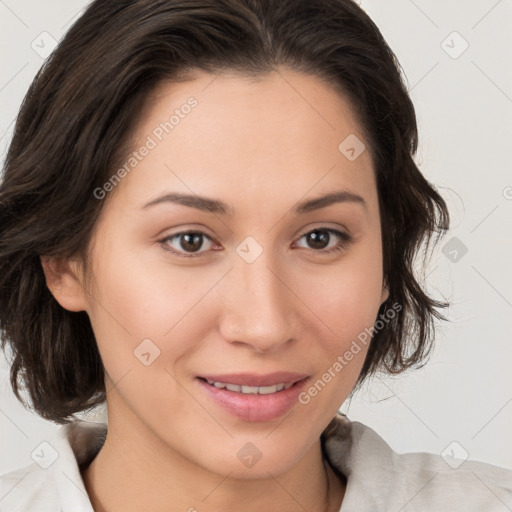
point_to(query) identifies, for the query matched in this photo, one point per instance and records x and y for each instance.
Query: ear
(63, 281)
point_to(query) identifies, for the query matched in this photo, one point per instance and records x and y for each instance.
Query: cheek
(143, 295)
(143, 298)
(141, 310)
(346, 296)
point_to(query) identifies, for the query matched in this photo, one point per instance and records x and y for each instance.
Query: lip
(255, 407)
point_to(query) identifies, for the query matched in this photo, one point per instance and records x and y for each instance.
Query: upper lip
(252, 379)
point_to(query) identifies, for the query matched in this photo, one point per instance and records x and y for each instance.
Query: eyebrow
(216, 206)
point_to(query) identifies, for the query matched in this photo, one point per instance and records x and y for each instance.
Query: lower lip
(255, 407)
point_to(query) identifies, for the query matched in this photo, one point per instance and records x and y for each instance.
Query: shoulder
(27, 488)
(430, 480)
(53, 481)
(378, 477)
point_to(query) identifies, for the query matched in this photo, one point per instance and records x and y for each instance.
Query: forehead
(272, 136)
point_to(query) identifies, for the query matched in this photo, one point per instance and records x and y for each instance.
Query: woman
(210, 212)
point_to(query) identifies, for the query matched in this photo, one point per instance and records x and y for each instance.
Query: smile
(250, 390)
(254, 398)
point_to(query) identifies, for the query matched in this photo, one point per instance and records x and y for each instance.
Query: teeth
(251, 390)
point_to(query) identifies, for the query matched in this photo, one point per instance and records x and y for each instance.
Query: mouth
(254, 397)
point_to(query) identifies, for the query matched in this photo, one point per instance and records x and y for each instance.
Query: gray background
(461, 402)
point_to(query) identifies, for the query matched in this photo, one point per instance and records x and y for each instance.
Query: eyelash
(346, 240)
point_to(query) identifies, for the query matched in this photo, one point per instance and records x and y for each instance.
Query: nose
(257, 306)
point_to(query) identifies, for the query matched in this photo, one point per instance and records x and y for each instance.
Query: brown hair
(74, 124)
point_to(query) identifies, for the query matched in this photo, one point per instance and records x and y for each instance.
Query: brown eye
(188, 243)
(319, 239)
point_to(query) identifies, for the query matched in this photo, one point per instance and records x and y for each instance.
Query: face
(266, 288)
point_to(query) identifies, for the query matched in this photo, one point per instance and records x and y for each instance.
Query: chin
(247, 458)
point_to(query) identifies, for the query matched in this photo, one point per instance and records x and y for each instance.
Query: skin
(260, 146)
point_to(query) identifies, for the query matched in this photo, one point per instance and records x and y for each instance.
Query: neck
(133, 472)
